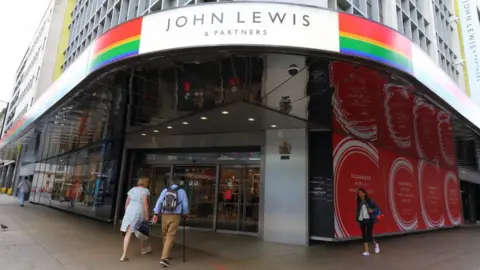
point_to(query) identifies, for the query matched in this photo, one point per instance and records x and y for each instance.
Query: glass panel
(199, 184)
(238, 200)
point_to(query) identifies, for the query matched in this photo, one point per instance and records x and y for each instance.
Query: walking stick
(184, 228)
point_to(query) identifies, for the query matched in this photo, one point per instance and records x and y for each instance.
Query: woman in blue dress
(136, 211)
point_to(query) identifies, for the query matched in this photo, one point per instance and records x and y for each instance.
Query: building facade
(269, 120)
(38, 69)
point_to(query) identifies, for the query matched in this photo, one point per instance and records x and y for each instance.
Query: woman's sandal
(123, 259)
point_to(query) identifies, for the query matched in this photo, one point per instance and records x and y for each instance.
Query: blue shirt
(182, 207)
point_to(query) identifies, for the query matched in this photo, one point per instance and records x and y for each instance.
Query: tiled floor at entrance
(42, 238)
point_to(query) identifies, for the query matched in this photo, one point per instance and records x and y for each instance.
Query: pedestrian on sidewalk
(136, 212)
(367, 215)
(171, 205)
(23, 189)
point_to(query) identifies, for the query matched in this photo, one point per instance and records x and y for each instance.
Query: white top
(363, 213)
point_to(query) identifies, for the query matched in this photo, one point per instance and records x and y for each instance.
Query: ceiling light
(185, 123)
(203, 118)
(155, 130)
(251, 119)
(273, 126)
(169, 127)
(143, 134)
(225, 112)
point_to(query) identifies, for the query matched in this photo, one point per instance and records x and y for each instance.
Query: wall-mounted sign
(240, 24)
(285, 149)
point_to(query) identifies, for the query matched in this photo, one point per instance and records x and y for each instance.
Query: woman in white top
(136, 211)
(367, 215)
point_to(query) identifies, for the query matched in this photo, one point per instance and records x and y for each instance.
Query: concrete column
(10, 174)
(3, 176)
(284, 215)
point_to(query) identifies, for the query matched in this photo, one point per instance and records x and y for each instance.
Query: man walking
(171, 205)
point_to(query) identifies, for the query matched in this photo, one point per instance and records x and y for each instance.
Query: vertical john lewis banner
(470, 42)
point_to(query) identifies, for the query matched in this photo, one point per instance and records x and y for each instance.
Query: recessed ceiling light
(185, 123)
(143, 134)
(251, 119)
(273, 126)
(169, 127)
(155, 130)
(225, 112)
(203, 118)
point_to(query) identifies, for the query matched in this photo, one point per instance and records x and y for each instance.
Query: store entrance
(223, 192)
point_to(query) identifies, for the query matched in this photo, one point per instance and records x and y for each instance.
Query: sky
(17, 26)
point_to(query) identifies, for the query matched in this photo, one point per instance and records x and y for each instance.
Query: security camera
(293, 69)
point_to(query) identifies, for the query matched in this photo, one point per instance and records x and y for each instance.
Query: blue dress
(135, 213)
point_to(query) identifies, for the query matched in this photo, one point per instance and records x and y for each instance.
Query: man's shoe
(164, 263)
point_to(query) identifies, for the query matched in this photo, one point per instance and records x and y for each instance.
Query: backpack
(170, 202)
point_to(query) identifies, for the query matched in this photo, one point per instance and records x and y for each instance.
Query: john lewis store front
(271, 136)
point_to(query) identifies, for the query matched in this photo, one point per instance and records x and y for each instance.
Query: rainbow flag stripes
(118, 43)
(362, 38)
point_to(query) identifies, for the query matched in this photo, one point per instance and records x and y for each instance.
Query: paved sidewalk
(46, 239)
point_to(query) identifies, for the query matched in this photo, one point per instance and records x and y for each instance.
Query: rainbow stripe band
(116, 52)
(118, 43)
(362, 38)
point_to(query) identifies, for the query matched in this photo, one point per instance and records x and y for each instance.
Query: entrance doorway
(199, 182)
(223, 189)
(238, 198)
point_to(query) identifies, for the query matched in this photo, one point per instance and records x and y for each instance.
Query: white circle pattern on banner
(400, 164)
(426, 218)
(419, 103)
(345, 148)
(450, 176)
(390, 90)
(444, 118)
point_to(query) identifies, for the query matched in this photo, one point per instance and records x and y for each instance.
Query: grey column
(3, 176)
(10, 173)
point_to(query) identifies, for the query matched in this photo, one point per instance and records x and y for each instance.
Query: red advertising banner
(356, 165)
(398, 147)
(403, 202)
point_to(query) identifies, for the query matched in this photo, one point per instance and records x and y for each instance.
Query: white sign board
(471, 44)
(242, 24)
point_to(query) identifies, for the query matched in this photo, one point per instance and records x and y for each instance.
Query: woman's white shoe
(366, 253)
(377, 248)
(146, 250)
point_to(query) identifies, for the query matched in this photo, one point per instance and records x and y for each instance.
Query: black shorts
(367, 231)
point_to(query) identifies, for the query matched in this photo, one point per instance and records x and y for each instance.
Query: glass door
(199, 183)
(158, 181)
(238, 199)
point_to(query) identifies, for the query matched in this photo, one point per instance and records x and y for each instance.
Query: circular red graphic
(431, 194)
(452, 199)
(355, 166)
(445, 136)
(398, 111)
(403, 194)
(356, 98)
(425, 126)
